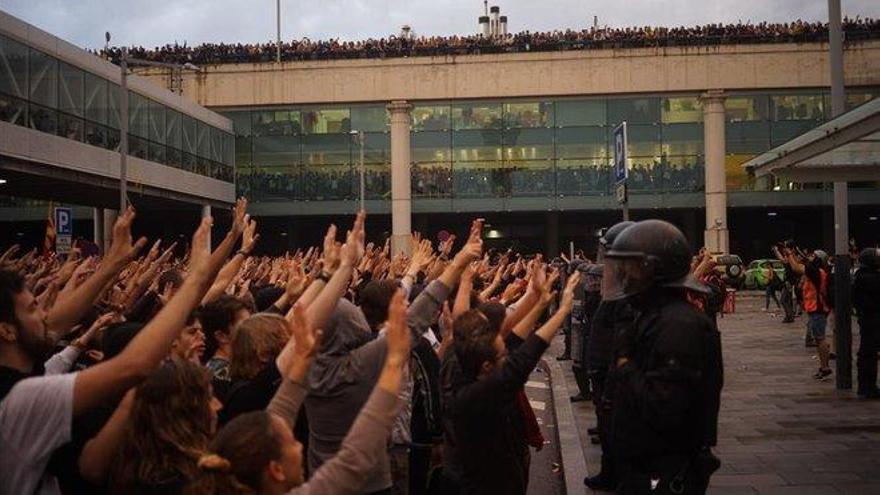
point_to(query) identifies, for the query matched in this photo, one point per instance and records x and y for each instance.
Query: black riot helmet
(870, 258)
(647, 254)
(608, 236)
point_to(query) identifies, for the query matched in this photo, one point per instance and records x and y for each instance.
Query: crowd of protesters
(313, 183)
(338, 369)
(595, 38)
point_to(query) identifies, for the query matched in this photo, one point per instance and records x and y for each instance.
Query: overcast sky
(154, 22)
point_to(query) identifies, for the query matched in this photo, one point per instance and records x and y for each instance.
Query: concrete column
(206, 212)
(109, 221)
(98, 227)
(716, 234)
(401, 191)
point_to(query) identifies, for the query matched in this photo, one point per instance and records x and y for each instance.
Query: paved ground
(780, 430)
(545, 475)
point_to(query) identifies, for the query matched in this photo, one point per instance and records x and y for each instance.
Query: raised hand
(568, 293)
(398, 335)
(304, 334)
(353, 249)
(200, 251)
(473, 248)
(122, 250)
(249, 236)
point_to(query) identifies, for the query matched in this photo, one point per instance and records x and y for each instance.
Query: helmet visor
(624, 277)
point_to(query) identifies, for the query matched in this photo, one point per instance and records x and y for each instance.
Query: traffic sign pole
(620, 168)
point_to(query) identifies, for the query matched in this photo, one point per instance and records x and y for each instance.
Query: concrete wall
(35, 146)
(584, 72)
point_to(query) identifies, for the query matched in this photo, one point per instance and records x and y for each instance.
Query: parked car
(730, 268)
(757, 272)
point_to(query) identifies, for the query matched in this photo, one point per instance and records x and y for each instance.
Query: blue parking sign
(63, 221)
(620, 170)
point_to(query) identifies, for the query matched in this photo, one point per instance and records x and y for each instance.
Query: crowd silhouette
(340, 183)
(799, 31)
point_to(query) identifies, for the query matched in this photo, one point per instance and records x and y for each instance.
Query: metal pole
(278, 20)
(363, 186)
(842, 304)
(626, 209)
(123, 131)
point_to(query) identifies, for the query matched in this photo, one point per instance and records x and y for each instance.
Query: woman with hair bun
(256, 453)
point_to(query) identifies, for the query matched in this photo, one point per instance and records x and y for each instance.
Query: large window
(476, 116)
(746, 108)
(431, 118)
(535, 114)
(634, 110)
(326, 121)
(369, 119)
(580, 112)
(797, 107)
(682, 110)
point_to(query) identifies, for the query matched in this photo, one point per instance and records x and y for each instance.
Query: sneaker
(579, 398)
(564, 357)
(593, 431)
(823, 375)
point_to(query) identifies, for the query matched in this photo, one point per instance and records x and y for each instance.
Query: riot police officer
(609, 318)
(866, 300)
(667, 369)
(582, 310)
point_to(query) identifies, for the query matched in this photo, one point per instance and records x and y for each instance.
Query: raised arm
(346, 472)
(350, 254)
(153, 343)
(230, 269)
(524, 327)
(303, 345)
(549, 329)
(67, 311)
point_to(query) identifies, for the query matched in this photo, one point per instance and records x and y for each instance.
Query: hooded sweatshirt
(346, 370)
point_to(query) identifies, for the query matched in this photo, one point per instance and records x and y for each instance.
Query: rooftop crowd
(595, 38)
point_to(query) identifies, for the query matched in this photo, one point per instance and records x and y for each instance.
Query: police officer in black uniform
(609, 319)
(866, 300)
(579, 337)
(667, 368)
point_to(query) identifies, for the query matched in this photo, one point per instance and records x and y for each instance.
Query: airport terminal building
(522, 139)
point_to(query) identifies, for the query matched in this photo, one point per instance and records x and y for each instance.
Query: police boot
(583, 382)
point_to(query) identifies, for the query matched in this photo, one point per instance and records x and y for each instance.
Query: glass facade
(518, 148)
(43, 93)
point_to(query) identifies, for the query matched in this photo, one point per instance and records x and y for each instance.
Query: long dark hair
(239, 456)
(169, 429)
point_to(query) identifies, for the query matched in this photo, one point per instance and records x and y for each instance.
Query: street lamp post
(124, 62)
(359, 135)
(278, 39)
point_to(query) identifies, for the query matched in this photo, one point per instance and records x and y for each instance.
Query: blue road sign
(63, 221)
(620, 170)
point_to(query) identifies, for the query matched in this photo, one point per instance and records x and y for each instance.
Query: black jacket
(866, 295)
(609, 319)
(669, 393)
(488, 431)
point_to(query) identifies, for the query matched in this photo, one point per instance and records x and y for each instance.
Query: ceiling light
(771, 213)
(2, 181)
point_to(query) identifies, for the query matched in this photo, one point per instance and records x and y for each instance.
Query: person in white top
(36, 411)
